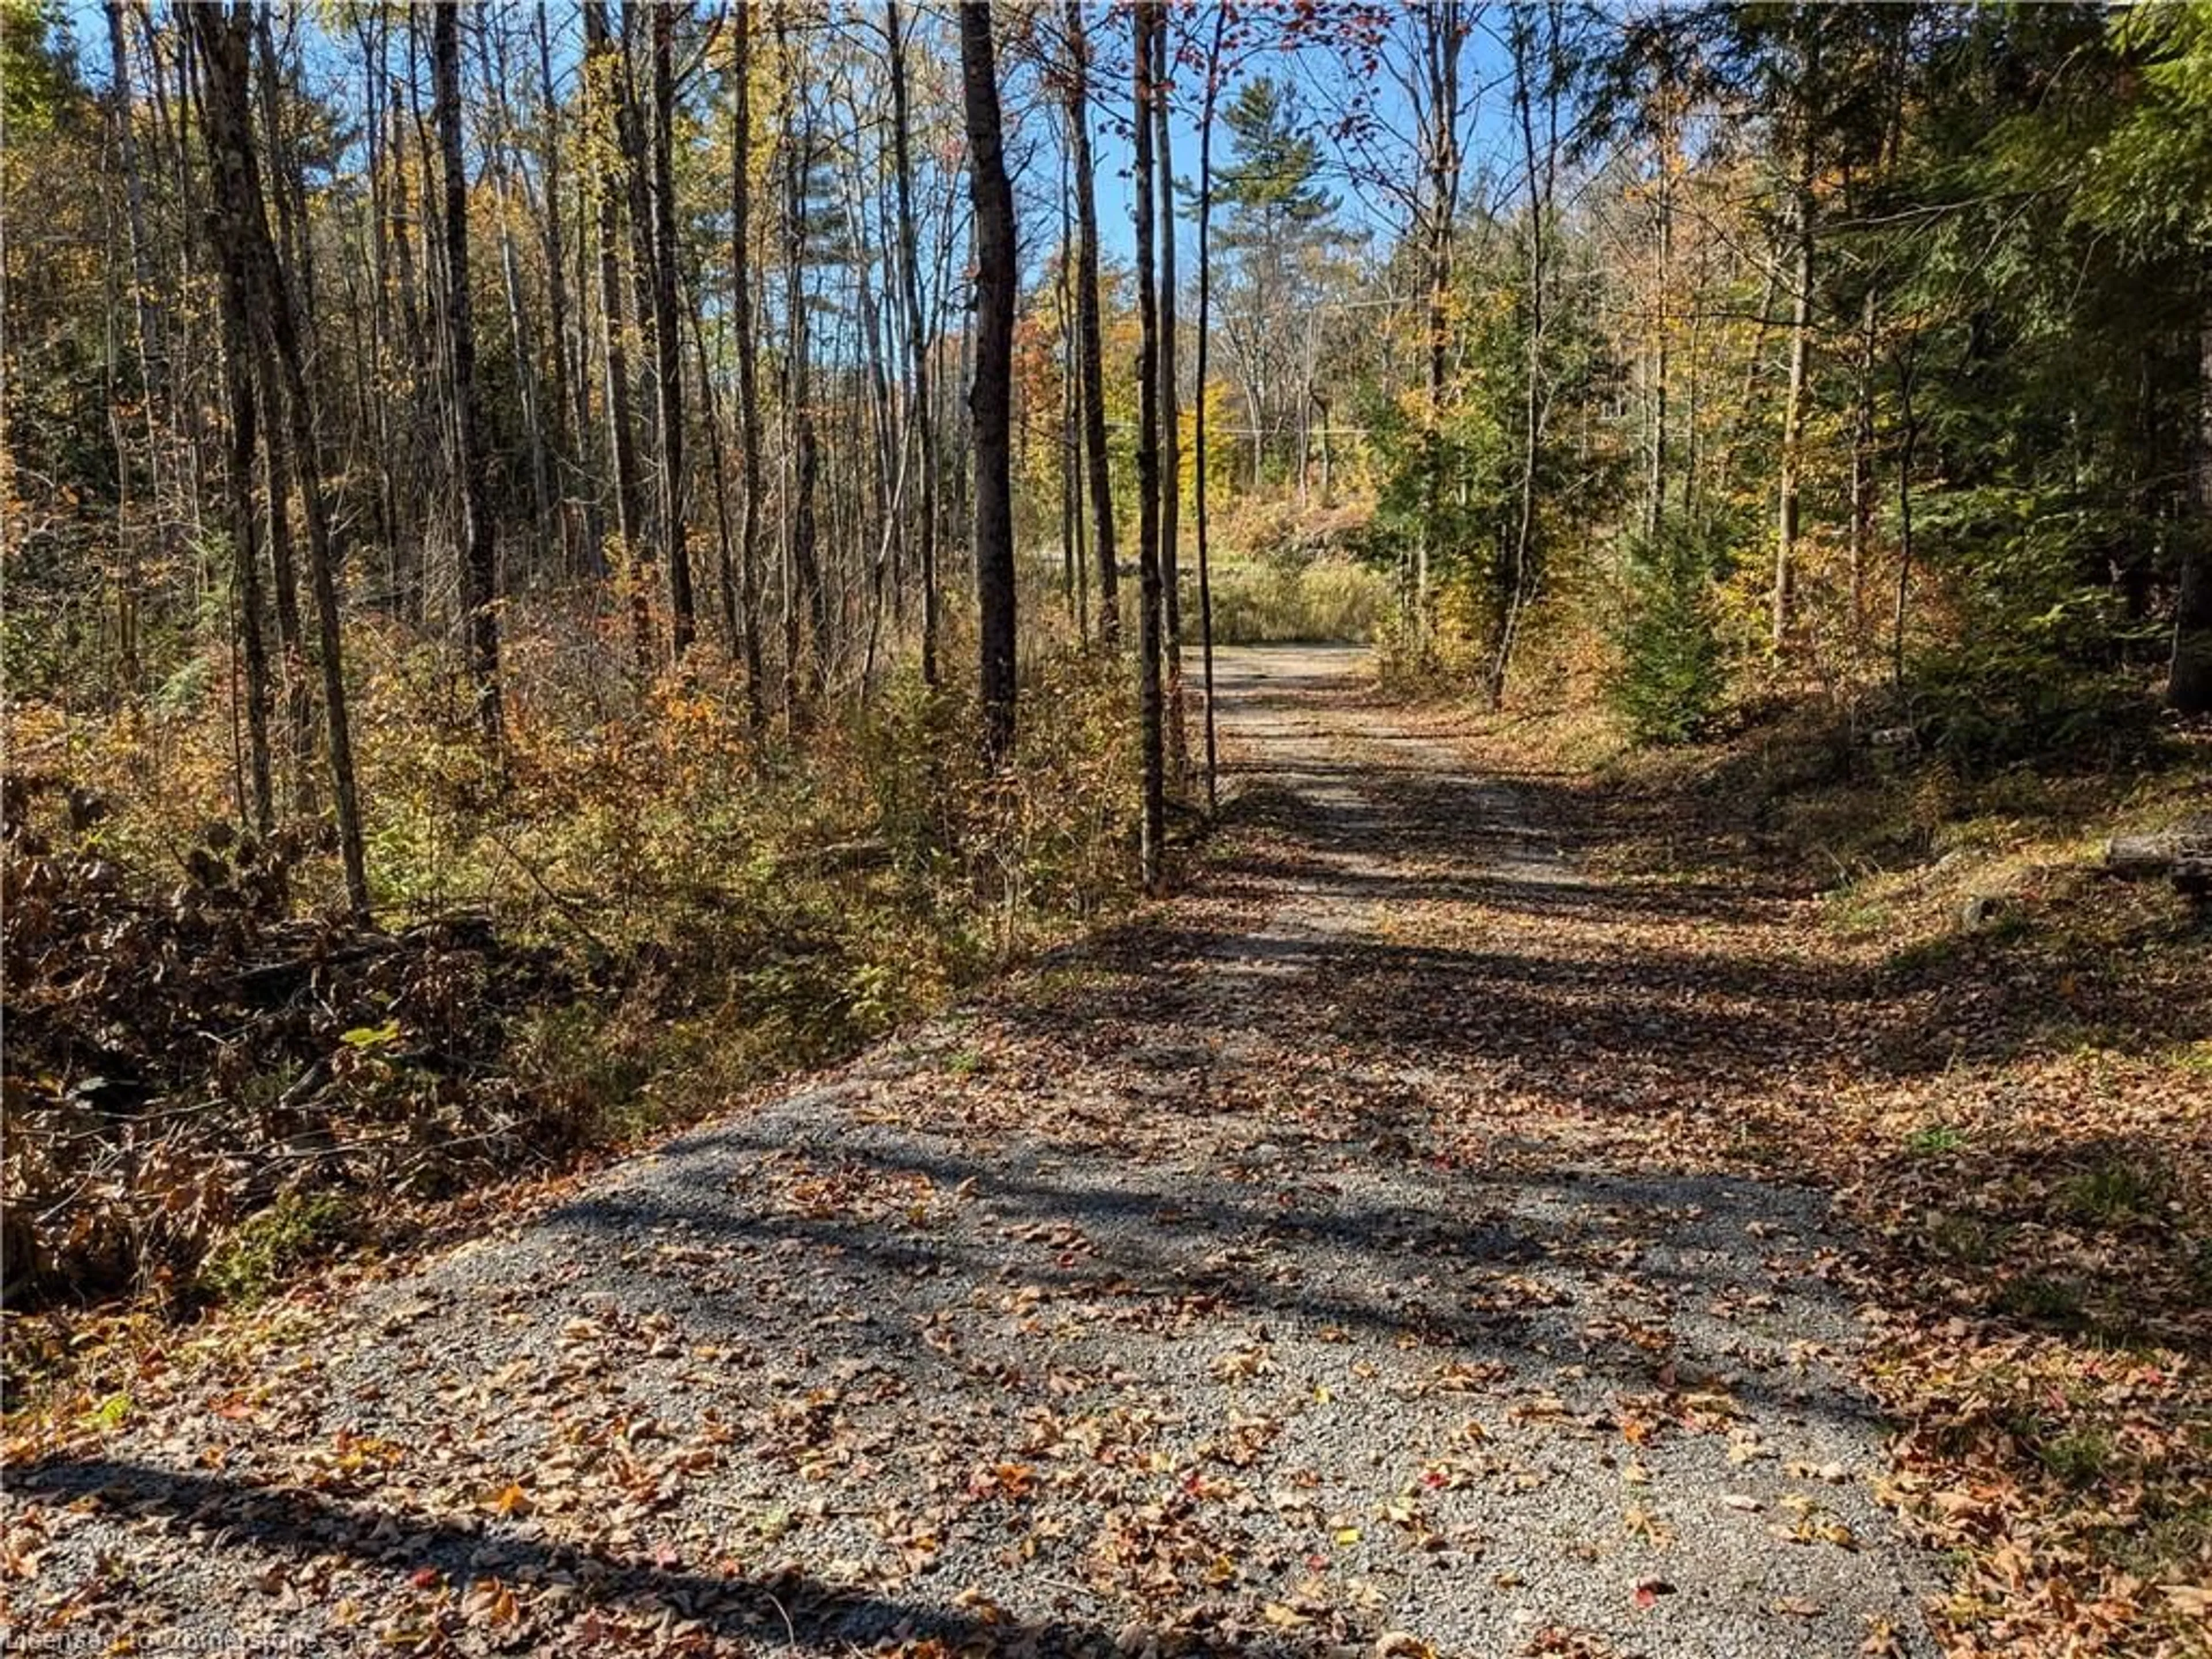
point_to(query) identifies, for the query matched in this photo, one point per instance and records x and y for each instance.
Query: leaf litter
(1323, 1264)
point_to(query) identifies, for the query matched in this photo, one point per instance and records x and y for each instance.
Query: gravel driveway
(1216, 1287)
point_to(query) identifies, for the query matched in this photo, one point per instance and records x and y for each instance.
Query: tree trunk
(917, 340)
(1654, 494)
(2188, 847)
(644, 285)
(223, 39)
(288, 185)
(1861, 483)
(741, 308)
(2189, 677)
(667, 341)
(1327, 450)
(246, 558)
(472, 460)
(600, 72)
(1519, 573)
(149, 334)
(990, 402)
(1178, 757)
(572, 395)
(291, 641)
(410, 562)
(1795, 410)
(1153, 832)
(725, 547)
(519, 326)
(1205, 334)
(805, 667)
(1906, 449)
(1443, 42)
(1074, 568)
(1092, 349)
(145, 302)
(878, 418)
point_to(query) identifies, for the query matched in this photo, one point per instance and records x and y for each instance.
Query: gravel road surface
(1261, 1278)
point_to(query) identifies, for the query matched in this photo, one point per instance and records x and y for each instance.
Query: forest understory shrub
(637, 910)
(1986, 708)
(1672, 674)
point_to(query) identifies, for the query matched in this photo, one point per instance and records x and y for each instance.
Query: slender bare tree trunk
(572, 392)
(601, 73)
(1205, 335)
(1092, 349)
(519, 327)
(805, 671)
(1178, 745)
(917, 339)
(1907, 449)
(146, 333)
(1861, 483)
(145, 299)
(1153, 833)
(246, 556)
(291, 641)
(472, 459)
(741, 307)
(1655, 495)
(1074, 571)
(990, 402)
(1795, 409)
(223, 38)
(644, 269)
(288, 189)
(410, 567)
(1520, 571)
(667, 341)
(1442, 41)
(725, 544)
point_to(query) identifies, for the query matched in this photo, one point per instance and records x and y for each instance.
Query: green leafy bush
(269, 1246)
(1986, 706)
(1672, 673)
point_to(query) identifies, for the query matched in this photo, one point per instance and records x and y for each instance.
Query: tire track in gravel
(1264, 1277)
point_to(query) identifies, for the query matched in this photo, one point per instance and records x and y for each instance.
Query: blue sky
(1366, 178)
(1323, 88)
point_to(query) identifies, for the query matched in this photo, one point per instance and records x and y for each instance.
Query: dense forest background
(707, 524)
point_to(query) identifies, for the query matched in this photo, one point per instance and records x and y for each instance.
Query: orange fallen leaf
(509, 1500)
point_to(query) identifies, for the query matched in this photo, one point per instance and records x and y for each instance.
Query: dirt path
(1272, 1277)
